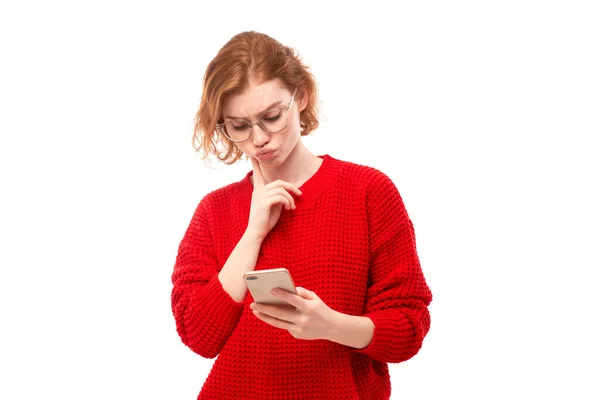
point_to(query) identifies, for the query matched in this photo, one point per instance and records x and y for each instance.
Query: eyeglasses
(271, 121)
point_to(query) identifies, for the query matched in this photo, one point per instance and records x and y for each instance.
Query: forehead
(255, 99)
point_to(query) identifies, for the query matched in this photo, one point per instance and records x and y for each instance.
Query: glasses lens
(237, 130)
(274, 120)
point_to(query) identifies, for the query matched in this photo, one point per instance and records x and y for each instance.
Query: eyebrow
(262, 112)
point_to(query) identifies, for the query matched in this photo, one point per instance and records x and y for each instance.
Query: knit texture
(351, 241)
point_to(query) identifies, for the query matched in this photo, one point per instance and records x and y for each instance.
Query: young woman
(340, 228)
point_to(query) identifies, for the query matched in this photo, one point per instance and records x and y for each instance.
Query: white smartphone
(260, 284)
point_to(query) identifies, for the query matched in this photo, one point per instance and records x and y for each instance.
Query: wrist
(336, 327)
(351, 330)
(251, 237)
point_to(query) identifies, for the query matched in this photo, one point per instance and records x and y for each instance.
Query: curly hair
(246, 57)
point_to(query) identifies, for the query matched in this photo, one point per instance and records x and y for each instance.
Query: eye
(272, 115)
(239, 125)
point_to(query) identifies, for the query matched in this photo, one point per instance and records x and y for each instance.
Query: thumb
(305, 293)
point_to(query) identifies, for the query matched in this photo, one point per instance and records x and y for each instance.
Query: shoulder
(222, 198)
(364, 176)
(377, 189)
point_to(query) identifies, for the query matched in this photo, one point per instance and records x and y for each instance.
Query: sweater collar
(312, 188)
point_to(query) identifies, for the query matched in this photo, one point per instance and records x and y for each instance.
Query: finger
(284, 312)
(273, 321)
(289, 200)
(257, 173)
(291, 298)
(281, 200)
(286, 185)
(270, 204)
(278, 201)
(305, 293)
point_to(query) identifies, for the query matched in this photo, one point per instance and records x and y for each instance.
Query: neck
(297, 168)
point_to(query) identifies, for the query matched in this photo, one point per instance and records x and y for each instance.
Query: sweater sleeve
(397, 294)
(205, 314)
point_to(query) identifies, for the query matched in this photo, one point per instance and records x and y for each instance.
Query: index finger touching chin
(257, 172)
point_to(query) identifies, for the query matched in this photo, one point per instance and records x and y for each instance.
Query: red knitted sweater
(350, 240)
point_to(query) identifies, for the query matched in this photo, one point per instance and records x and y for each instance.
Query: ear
(302, 98)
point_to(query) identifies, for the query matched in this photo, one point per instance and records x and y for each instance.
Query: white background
(484, 114)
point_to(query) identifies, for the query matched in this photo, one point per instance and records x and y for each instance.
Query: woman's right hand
(267, 202)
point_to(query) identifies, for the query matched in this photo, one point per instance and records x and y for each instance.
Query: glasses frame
(221, 127)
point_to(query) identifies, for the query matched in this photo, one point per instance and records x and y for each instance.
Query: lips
(263, 152)
(266, 156)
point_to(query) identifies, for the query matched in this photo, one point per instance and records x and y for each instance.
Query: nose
(259, 137)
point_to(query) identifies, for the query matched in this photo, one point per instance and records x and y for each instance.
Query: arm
(204, 308)
(352, 330)
(242, 259)
(397, 296)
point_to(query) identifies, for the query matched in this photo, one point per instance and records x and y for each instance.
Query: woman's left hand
(310, 319)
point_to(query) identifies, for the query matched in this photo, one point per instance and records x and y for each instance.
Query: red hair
(248, 56)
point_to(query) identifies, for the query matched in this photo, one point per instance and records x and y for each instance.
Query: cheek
(244, 149)
(293, 127)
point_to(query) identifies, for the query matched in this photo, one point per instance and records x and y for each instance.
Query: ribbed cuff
(219, 303)
(385, 325)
